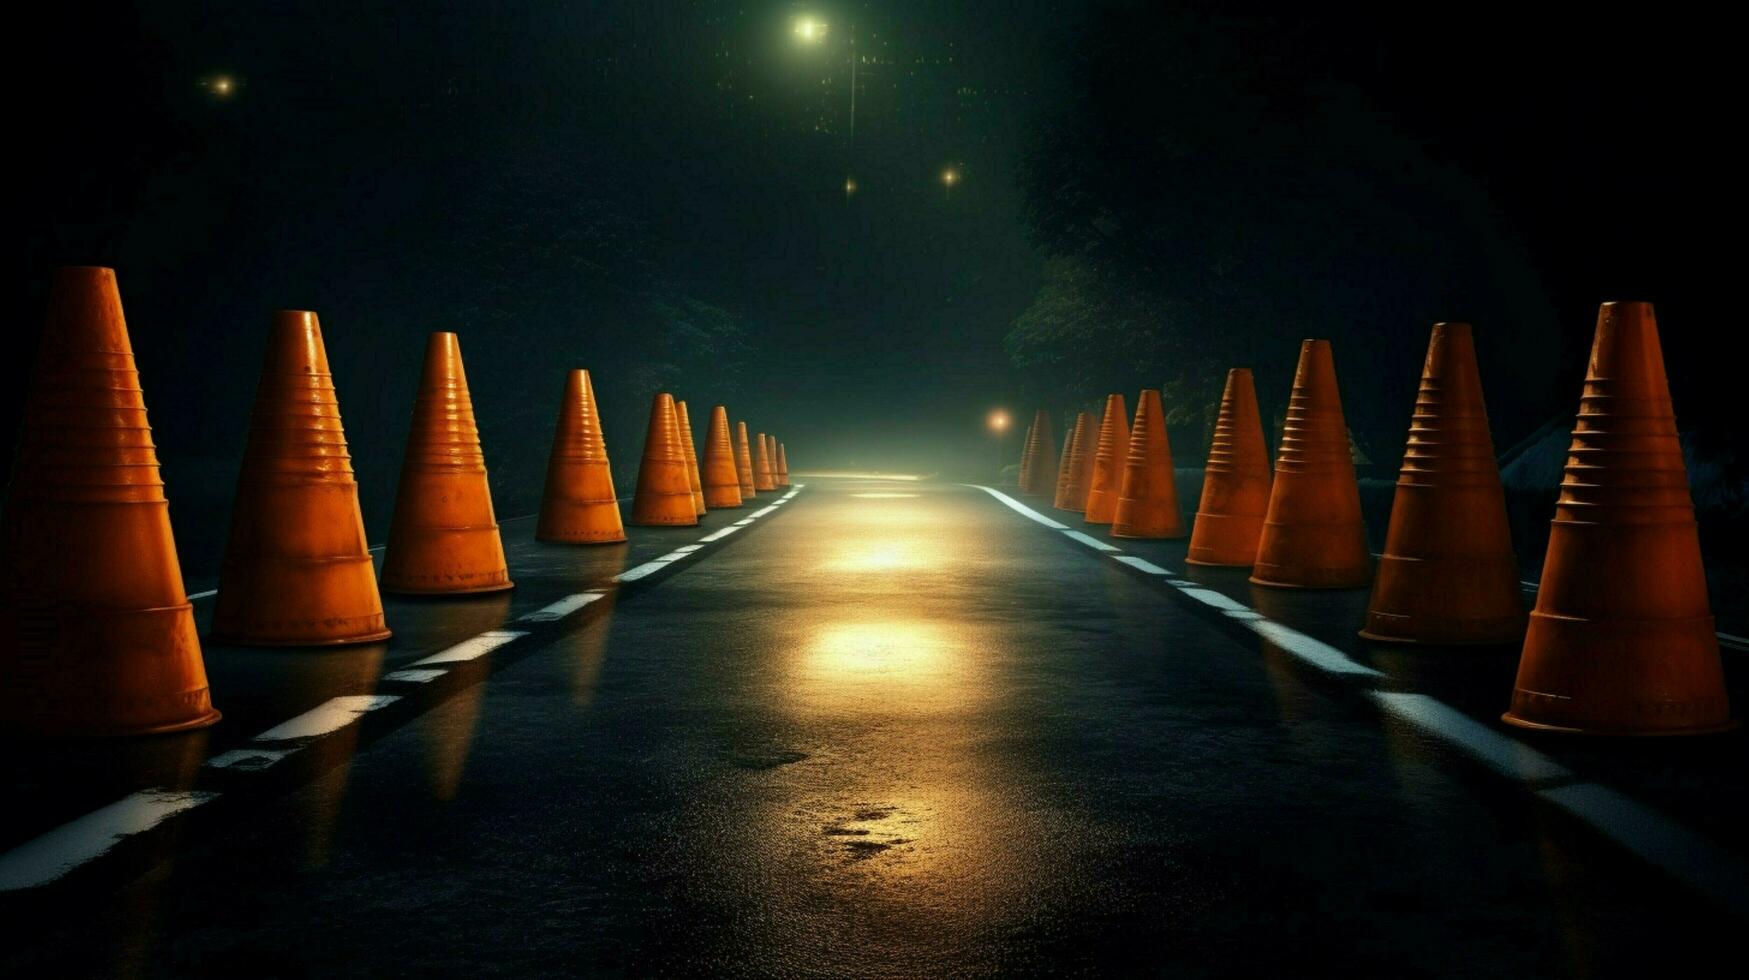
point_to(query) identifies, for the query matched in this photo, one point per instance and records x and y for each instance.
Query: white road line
(1659, 841)
(719, 535)
(1315, 652)
(1141, 563)
(329, 716)
(745, 521)
(472, 649)
(1503, 754)
(55, 853)
(249, 759)
(415, 676)
(1091, 542)
(647, 568)
(559, 610)
(208, 594)
(1210, 597)
(689, 547)
(1022, 509)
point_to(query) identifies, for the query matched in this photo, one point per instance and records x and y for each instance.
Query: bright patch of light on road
(860, 475)
(875, 555)
(884, 650)
(882, 496)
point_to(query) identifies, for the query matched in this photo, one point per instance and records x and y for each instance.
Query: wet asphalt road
(900, 730)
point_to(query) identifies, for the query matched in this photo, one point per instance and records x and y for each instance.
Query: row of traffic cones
(1622, 639)
(97, 634)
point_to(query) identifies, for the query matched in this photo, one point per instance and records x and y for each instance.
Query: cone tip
(1449, 328)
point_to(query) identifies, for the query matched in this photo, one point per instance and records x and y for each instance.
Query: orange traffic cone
(1313, 537)
(1077, 467)
(579, 505)
(297, 570)
(722, 486)
(1235, 483)
(97, 634)
(744, 463)
(1109, 460)
(762, 478)
(1147, 503)
(782, 466)
(691, 450)
(1448, 574)
(664, 494)
(1039, 479)
(1622, 640)
(444, 536)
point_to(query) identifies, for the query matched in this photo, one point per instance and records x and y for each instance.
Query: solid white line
(1503, 754)
(248, 760)
(51, 856)
(472, 649)
(719, 535)
(1210, 597)
(1141, 563)
(1315, 652)
(1091, 542)
(1021, 509)
(1658, 840)
(415, 676)
(559, 610)
(647, 568)
(329, 716)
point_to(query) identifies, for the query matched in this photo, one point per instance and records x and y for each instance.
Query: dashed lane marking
(54, 854)
(329, 716)
(471, 649)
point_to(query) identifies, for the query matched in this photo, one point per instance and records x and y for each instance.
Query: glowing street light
(999, 421)
(849, 186)
(949, 177)
(810, 30)
(223, 86)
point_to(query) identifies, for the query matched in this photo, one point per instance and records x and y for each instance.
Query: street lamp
(998, 421)
(812, 30)
(949, 177)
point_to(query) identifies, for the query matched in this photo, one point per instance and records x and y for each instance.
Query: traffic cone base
(1317, 556)
(1223, 541)
(444, 536)
(1590, 656)
(579, 504)
(297, 571)
(97, 636)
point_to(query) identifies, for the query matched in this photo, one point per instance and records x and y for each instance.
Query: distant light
(849, 186)
(222, 86)
(950, 176)
(810, 29)
(999, 421)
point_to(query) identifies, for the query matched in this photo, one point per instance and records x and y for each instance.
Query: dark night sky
(548, 178)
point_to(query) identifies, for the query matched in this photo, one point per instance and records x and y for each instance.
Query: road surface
(887, 728)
